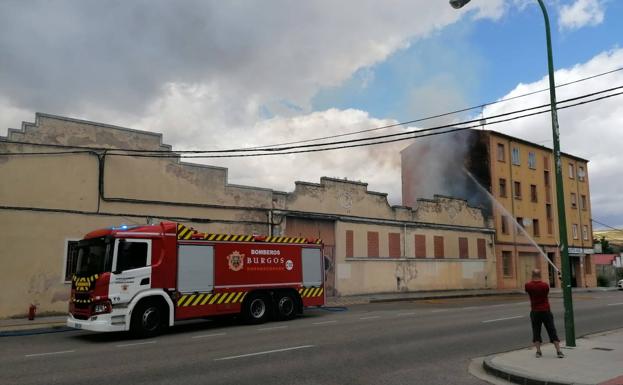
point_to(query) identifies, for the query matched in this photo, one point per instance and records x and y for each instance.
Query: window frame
(531, 160)
(571, 171)
(115, 260)
(574, 231)
(509, 254)
(574, 200)
(502, 187)
(501, 155)
(516, 156)
(517, 190)
(64, 278)
(534, 194)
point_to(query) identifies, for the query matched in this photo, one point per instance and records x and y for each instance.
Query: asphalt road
(423, 342)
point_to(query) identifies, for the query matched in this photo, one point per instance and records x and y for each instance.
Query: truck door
(131, 269)
(195, 268)
(312, 267)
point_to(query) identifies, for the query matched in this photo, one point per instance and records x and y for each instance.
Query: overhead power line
(603, 224)
(339, 144)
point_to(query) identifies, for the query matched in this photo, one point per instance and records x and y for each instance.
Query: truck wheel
(256, 309)
(147, 319)
(286, 307)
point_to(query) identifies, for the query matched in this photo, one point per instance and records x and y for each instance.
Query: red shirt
(538, 291)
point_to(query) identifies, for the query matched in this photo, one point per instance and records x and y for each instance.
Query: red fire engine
(145, 278)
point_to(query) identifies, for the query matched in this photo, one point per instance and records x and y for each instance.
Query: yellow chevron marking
(301, 290)
(220, 301)
(190, 299)
(214, 298)
(318, 291)
(182, 299)
(321, 291)
(237, 297)
(233, 293)
(243, 296)
(199, 297)
(206, 299)
(306, 292)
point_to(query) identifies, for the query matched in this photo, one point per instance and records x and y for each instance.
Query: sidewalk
(596, 359)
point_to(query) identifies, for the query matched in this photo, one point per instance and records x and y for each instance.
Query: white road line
(48, 354)
(371, 317)
(439, 310)
(470, 307)
(272, 328)
(209, 335)
(324, 322)
(136, 343)
(615, 304)
(501, 319)
(266, 352)
(404, 314)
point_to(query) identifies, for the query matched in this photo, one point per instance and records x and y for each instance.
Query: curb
(422, 298)
(58, 328)
(517, 377)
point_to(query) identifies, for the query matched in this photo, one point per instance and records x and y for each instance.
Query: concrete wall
(46, 200)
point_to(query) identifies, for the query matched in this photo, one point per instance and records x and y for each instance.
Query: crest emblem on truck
(235, 261)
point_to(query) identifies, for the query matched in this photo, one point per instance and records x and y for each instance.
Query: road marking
(136, 343)
(501, 319)
(48, 354)
(470, 307)
(439, 310)
(324, 323)
(404, 314)
(614, 304)
(371, 317)
(209, 335)
(265, 352)
(272, 328)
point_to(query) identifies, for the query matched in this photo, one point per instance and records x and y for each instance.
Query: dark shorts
(546, 318)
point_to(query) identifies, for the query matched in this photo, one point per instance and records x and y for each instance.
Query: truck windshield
(93, 257)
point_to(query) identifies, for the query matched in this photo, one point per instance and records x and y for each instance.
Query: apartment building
(520, 198)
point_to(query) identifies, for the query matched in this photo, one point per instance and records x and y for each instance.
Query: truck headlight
(102, 307)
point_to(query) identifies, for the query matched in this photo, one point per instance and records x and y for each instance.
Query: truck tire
(286, 306)
(256, 308)
(148, 319)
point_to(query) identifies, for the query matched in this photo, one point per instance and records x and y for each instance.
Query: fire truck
(144, 279)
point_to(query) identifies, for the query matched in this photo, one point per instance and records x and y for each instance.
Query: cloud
(591, 131)
(581, 13)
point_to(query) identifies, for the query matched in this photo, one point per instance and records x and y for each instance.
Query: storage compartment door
(312, 267)
(195, 268)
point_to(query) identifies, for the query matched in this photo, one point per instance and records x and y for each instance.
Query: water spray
(518, 226)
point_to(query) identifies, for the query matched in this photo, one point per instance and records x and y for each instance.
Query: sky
(214, 75)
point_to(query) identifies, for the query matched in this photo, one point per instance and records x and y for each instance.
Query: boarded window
(350, 252)
(373, 244)
(482, 248)
(546, 162)
(439, 253)
(574, 230)
(535, 227)
(394, 245)
(501, 152)
(507, 263)
(583, 202)
(503, 187)
(504, 221)
(420, 246)
(463, 248)
(571, 171)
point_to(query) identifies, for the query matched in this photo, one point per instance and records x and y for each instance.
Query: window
(515, 155)
(581, 173)
(574, 200)
(546, 162)
(350, 252)
(502, 187)
(575, 231)
(394, 245)
(548, 211)
(463, 248)
(482, 248)
(588, 269)
(517, 190)
(438, 246)
(571, 171)
(501, 152)
(131, 255)
(550, 222)
(504, 224)
(585, 232)
(583, 202)
(535, 228)
(532, 160)
(533, 195)
(507, 263)
(420, 246)
(71, 259)
(373, 244)
(520, 224)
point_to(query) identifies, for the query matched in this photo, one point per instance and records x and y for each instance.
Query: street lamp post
(560, 197)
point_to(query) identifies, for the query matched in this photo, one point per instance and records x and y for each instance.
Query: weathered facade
(61, 181)
(519, 194)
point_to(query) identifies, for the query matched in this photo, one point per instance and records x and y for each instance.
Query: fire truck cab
(145, 278)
